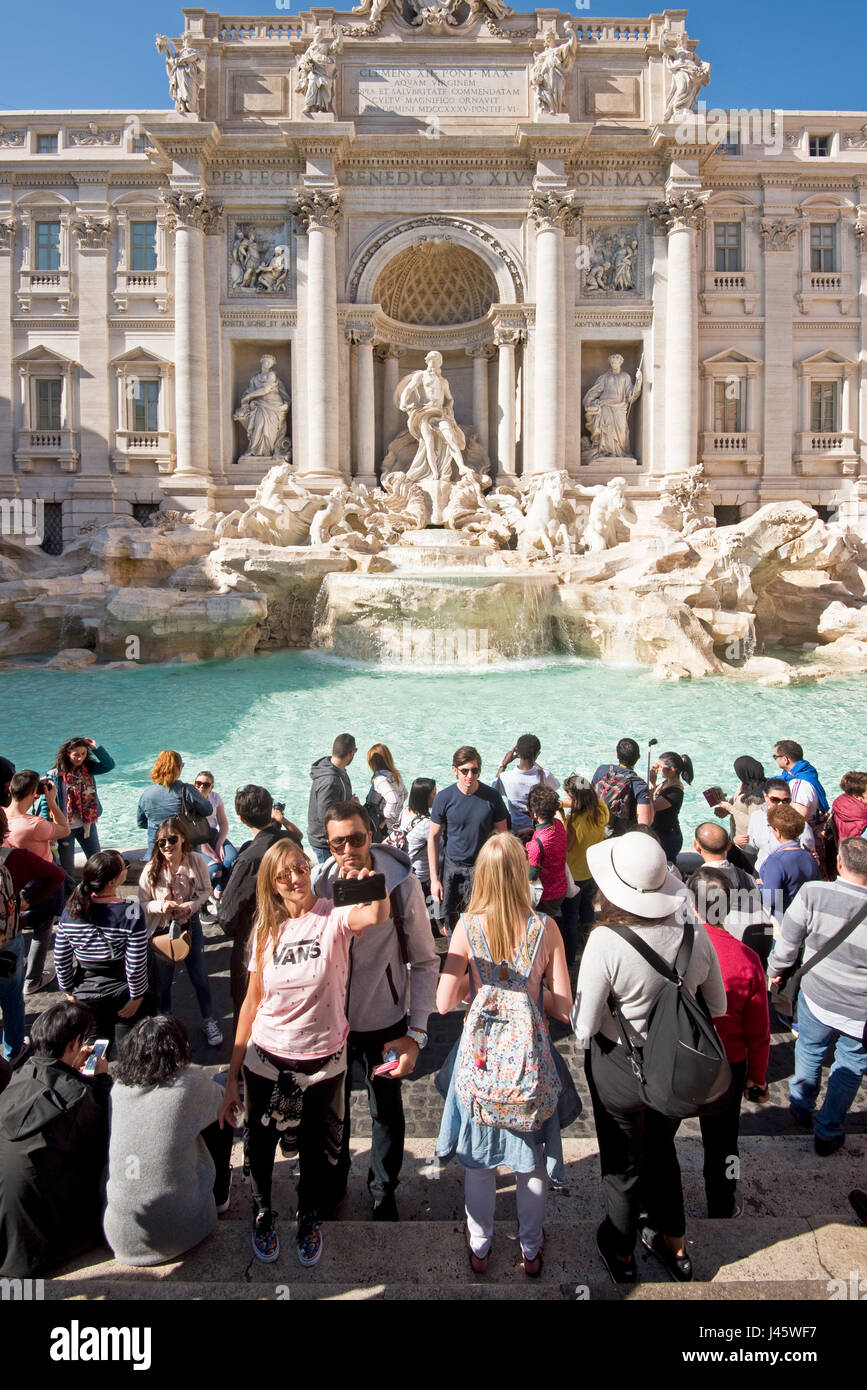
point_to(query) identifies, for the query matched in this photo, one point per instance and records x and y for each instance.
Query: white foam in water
(265, 719)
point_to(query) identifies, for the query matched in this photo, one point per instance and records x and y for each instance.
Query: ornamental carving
(609, 259)
(7, 234)
(93, 233)
(11, 139)
(436, 282)
(359, 334)
(92, 134)
(458, 223)
(555, 210)
(856, 142)
(509, 335)
(861, 233)
(779, 235)
(678, 211)
(317, 209)
(191, 210)
(435, 16)
(261, 260)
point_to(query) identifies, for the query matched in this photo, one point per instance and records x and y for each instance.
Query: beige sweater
(190, 883)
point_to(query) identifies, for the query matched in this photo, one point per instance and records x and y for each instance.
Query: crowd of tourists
(581, 904)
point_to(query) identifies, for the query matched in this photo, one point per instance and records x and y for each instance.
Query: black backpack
(682, 1069)
(615, 788)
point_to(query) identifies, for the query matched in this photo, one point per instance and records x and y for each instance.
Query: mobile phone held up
(100, 1047)
(348, 892)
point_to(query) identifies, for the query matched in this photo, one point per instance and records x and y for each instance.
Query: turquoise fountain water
(265, 719)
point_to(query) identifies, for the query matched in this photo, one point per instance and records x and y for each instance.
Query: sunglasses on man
(356, 840)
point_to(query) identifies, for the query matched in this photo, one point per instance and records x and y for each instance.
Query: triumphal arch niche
(408, 178)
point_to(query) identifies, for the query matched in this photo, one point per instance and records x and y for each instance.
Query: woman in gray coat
(168, 1161)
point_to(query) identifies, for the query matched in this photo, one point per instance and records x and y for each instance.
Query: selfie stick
(652, 744)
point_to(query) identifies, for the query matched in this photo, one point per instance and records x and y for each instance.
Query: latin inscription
(436, 178)
(390, 90)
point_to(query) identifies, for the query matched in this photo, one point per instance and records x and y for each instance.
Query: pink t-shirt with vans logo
(303, 1010)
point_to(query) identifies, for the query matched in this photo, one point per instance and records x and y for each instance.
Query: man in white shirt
(761, 836)
(516, 783)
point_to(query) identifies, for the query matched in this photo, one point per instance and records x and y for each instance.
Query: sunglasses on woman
(168, 840)
(205, 786)
(286, 876)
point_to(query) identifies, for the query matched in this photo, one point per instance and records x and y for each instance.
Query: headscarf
(751, 775)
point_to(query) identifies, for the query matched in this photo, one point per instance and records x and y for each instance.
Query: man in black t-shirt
(462, 817)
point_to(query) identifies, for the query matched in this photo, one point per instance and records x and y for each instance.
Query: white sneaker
(212, 1032)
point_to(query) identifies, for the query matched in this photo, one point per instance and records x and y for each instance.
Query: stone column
(214, 274)
(189, 214)
(554, 212)
(779, 238)
(506, 339)
(481, 354)
(7, 419)
(682, 213)
(365, 406)
(861, 281)
(93, 491)
(393, 423)
(318, 214)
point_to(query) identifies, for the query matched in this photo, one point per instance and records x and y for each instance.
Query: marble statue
(317, 70)
(280, 514)
(374, 9)
(435, 14)
(427, 402)
(607, 405)
(185, 72)
(608, 505)
(688, 75)
(264, 412)
(250, 270)
(329, 519)
(684, 502)
(549, 518)
(273, 276)
(548, 76)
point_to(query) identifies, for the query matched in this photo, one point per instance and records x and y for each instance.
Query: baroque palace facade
(528, 194)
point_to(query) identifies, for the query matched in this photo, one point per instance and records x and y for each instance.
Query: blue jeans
(218, 870)
(850, 1064)
(12, 1002)
(87, 837)
(195, 963)
(577, 918)
(322, 855)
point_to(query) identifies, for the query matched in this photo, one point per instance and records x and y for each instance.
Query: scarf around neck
(805, 772)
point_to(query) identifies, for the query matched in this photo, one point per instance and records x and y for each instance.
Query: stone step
(363, 1259)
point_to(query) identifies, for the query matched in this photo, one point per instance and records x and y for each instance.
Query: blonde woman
(169, 796)
(291, 1040)
(387, 796)
(500, 909)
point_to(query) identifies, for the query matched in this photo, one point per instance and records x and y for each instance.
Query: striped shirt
(838, 985)
(116, 933)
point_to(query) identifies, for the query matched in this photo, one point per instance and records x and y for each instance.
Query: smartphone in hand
(348, 892)
(100, 1047)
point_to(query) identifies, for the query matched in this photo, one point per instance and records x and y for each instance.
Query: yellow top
(586, 832)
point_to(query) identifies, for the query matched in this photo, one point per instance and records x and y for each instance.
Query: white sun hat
(632, 871)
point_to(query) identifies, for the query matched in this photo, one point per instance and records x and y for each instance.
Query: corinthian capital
(678, 211)
(93, 233)
(191, 210)
(550, 208)
(778, 235)
(316, 208)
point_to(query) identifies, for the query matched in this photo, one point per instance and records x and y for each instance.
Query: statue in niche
(548, 76)
(428, 404)
(264, 412)
(185, 73)
(607, 406)
(317, 70)
(688, 75)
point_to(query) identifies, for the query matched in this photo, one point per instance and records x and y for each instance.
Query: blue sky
(767, 53)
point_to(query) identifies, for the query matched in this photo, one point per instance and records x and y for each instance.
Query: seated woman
(221, 855)
(53, 1147)
(164, 1112)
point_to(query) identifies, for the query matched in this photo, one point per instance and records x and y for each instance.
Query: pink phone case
(386, 1068)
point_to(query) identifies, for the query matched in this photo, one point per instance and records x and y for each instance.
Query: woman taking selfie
(667, 796)
(173, 889)
(509, 951)
(291, 1041)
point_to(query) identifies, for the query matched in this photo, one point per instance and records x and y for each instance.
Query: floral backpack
(505, 1075)
(9, 924)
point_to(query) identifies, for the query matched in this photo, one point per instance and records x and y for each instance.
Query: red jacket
(850, 816)
(745, 1027)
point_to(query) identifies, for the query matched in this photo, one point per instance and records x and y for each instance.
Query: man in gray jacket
(393, 974)
(832, 1004)
(330, 784)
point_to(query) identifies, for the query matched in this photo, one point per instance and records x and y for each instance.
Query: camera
(45, 784)
(280, 806)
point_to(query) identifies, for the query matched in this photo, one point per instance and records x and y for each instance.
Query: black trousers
(457, 881)
(219, 1143)
(321, 1115)
(640, 1171)
(719, 1135)
(239, 976)
(386, 1112)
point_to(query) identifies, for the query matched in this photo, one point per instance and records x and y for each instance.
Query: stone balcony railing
(143, 446)
(56, 446)
(730, 452)
(817, 288)
(249, 29)
(719, 288)
(139, 286)
(826, 451)
(44, 284)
